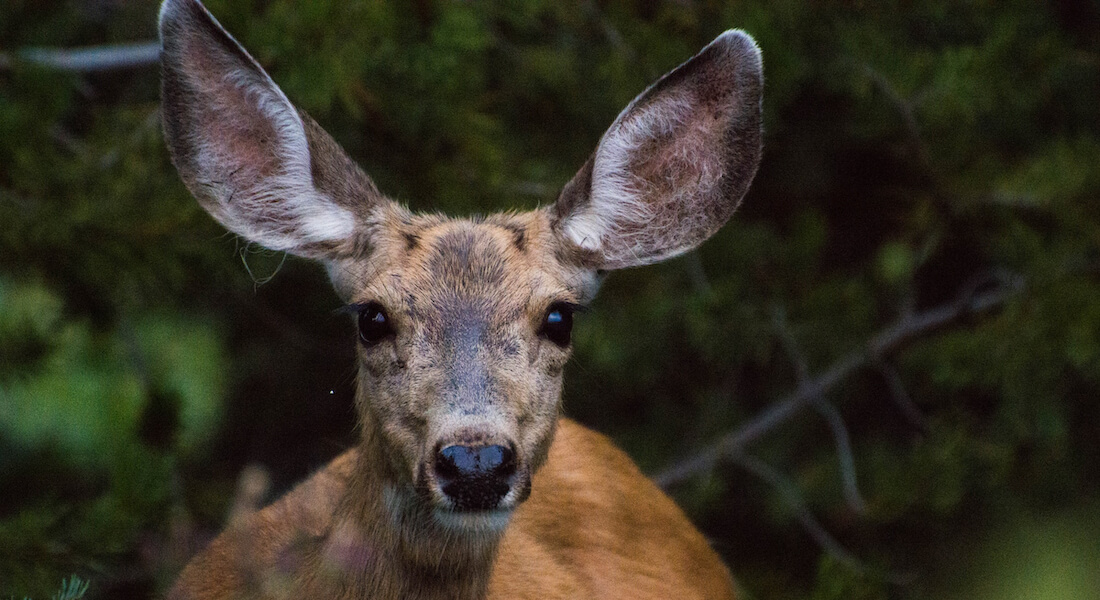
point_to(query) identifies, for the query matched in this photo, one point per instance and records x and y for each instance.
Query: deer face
(463, 324)
(463, 334)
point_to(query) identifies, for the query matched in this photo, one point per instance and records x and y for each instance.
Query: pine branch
(72, 589)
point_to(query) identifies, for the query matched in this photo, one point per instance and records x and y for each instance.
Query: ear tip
(738, 38)
(738, 43)
(173, 12)
(169, 11)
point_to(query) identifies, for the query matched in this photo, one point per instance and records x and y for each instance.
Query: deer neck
(385, 544)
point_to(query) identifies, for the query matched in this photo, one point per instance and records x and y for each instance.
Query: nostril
(505, 463)
(447, 461)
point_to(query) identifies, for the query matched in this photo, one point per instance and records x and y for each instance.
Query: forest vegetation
(880, 380)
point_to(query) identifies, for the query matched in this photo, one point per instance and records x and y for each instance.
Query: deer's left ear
(673, 166)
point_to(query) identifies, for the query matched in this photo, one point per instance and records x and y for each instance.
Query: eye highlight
(374, 324)
(557, 325)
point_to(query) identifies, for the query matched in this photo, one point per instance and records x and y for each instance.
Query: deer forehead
(493, 270)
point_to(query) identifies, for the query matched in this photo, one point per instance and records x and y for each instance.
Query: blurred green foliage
(911, 147)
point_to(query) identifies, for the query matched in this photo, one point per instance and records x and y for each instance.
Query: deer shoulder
(594, 527)
(609, 527)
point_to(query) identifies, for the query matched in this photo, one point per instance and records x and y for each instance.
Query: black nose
(475, 477)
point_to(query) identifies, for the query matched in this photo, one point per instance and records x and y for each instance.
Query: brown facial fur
(467, 363)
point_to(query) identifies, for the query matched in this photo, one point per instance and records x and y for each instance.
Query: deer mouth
(474, 511)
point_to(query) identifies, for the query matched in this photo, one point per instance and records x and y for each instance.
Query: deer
(467, 482)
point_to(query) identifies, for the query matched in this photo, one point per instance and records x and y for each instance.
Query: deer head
(463, 324)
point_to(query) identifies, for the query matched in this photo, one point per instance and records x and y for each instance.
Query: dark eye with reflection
(374, 324)
(558, 323)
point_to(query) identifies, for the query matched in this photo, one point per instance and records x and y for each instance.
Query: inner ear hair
(257, 164)
(674, 165)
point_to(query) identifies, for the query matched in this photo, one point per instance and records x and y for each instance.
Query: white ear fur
(617, 193)
(220, 109)
(675, 163)
(287, 196)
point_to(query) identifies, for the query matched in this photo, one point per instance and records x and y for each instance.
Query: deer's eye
(558, 323)
(374, 324)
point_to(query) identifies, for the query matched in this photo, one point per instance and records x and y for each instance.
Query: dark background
(919, 156)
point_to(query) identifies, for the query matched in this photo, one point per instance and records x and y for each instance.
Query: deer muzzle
(475, 478)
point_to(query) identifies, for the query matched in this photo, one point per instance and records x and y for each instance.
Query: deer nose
(475, 477)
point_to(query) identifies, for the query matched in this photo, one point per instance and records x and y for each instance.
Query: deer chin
(492, 521)
(425, 503)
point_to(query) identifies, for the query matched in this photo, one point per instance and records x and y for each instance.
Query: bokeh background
(923, 158)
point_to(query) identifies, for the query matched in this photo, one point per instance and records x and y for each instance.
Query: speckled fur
(466, 364)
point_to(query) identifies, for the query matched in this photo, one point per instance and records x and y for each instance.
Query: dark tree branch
(904, 402)
(828, 411)
(87, 60)
(793, 498)
(845, 457)
(821, 536)
(906, 329)
(906, 109)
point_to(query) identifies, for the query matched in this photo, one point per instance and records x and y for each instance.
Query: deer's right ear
(262, 168)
